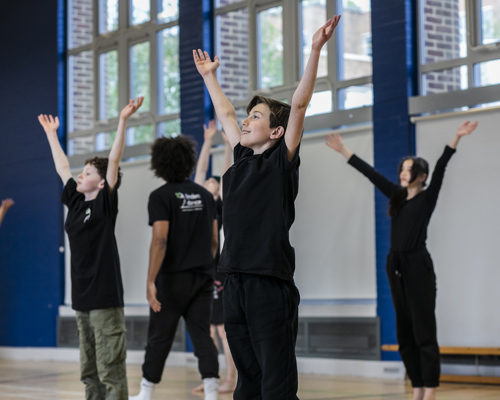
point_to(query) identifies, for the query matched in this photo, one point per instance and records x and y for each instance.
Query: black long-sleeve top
(409, 227)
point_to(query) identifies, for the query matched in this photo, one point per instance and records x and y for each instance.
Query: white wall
(333, 235)
(464, 233)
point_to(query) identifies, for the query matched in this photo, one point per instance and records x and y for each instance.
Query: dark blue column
(394, 80)
(31, 271)
(195, 32)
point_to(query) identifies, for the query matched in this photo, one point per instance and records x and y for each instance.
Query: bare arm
(204, 158)
(305, 90)
(215, 238)
(116, 152)
(224, 109)
(465, 129)
(226, 161)
(156, 256)
(6, 204)
(50, 126)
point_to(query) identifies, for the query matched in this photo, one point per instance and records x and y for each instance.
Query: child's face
(89, 180)
(255, 128)
(405, 176)
(213, 186)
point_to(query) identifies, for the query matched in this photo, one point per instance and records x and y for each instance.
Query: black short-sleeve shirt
(191, 212)
(96, 281)
(259, 195)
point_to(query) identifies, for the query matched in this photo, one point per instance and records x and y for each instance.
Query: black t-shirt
(409, 227)
(259, 194)
(190, 210)
(96, 281)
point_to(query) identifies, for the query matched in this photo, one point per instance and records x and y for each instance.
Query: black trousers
(413, 287)
(188, 295)
(261, 320)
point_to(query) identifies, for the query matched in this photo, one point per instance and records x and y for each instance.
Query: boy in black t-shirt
(180, 276)
(260, 298)
(96, 283)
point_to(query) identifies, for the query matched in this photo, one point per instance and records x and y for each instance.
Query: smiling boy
(96, 283)
(260, 298)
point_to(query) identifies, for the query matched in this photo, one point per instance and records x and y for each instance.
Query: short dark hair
(173, 159)
(101, 164)
(280, 112)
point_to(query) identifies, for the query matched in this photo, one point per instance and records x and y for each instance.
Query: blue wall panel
(31, 273)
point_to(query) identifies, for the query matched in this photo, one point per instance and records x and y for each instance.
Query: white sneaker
(211, 387)
(146, 391)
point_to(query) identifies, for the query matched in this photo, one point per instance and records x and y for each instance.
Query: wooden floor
(51, 380)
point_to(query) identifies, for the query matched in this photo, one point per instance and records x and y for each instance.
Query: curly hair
(101, 164)
(280, 112)
(173, 159)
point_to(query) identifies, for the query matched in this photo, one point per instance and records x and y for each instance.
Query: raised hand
(131, 107)
(466, 128)
(49, 123)
(324, 33)
(210, 131)
(204, 64)
(6, 204)
(334, 141)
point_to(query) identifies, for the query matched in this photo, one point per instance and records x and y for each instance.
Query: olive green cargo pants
(102, 353)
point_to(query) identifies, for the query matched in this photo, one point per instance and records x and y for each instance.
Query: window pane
(443, 30)
(139, 73)
(139, 134)
(321, 103)
(490, 21)
(108, 15)
(356, 96)
(80, 92)
(232, 48)
(354, 40)
(139, 11)
(104, 140)
(487, 73)
(313, 14)
(169, 128)
(222, 3)
(80, 23)
(168, 69)
(168, 10)
(446, 80)
(270, 47)
(108, 85)
(80, 145)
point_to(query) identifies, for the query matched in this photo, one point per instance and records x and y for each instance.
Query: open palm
(335, 142)
(131, 107)
(204, 64)
(466, 128)
(49, 123)
(324, 33)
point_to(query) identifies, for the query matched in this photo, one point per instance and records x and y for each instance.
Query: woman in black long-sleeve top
(409, 265)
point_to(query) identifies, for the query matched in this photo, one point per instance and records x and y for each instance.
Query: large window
(130, 52)
(459, 52)
(264, 47)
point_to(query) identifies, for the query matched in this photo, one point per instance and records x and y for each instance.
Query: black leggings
(413, 287)
(182, 294)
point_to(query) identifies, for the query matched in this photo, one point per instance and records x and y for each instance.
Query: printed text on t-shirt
(190, 202)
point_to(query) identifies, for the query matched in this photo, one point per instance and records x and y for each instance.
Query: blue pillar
(395, 79)
(195, 32)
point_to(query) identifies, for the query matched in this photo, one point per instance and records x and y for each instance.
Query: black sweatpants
(413, 287)
(261, 320)
(188, 295)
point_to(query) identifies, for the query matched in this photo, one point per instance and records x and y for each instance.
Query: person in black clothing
(260, 298)
(96, 282)
(409, 265)
(180, 276)
(214, 186)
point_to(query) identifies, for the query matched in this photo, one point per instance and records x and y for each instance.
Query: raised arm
(226, 161)
(387, 187)
(4, 207)
(156, 255)
(305, 90)
(204, 158)
(116, 152)
(223, 108)
(50, 126)
(432, 191)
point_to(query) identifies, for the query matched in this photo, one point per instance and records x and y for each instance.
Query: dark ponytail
(398, 199)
